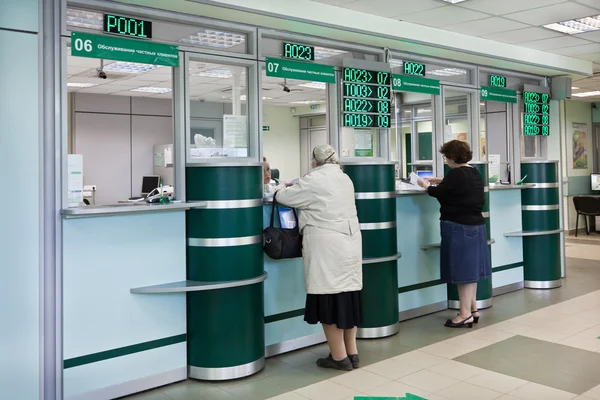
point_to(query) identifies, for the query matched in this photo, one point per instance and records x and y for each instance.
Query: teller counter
(420, 290)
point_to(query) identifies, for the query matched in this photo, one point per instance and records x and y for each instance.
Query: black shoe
(353, 359)
(475, 319)
(329, 362)
(465, 323)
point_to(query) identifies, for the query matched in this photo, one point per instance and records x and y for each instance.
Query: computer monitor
(149, 183)
(425, 174)
(595, 182)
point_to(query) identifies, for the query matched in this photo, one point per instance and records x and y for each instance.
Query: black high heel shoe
(462, 324)
(475, 319)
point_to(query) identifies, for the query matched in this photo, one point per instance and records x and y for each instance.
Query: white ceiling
(510, 21)
(210, 89)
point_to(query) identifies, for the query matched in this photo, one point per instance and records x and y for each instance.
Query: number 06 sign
(118, 49)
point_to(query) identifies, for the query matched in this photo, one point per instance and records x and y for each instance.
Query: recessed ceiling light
(129, 67)
(150, 89)
(322, 52)
(447, 72)
(587, 94)
(212, 38)
(574, 26)
(216, 73)
(81, 85)
(454, 1)
(396, 63)
(306, 102)
(85, 19)
(574, 88)
(314, 85)
(243, 98)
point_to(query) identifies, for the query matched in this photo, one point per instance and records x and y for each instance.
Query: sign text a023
(119, 49)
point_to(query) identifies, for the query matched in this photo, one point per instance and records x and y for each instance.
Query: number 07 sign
(118, 49)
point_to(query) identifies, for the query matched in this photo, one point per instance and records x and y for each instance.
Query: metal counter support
(485, 293)
(376, 206)
(231, 293)
(541, 226)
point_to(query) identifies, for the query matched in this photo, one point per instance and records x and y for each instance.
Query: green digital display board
(497, 81)
(125, 26)
(298, 52)
(367, 97)
(412, 68)
(536, 114)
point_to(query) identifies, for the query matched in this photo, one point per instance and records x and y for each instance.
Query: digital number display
(367, 98)
(366, 120)
(497, 81)
(366, 91)
(126, 26)
(366, 106)
(298, 52)
(411, 68)
(364, 76)
(536, 114)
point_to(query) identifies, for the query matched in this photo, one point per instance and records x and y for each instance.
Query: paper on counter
(415, 179)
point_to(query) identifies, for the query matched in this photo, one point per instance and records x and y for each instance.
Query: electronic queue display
(367, 98)
(412, 68)
(298, 52)
(497, 81)
(125, 26)
(536, 114)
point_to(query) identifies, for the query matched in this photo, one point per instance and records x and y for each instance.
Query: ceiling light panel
(314, 85)
(81, 85)
(322, 53)
(129, 67)
(307, 102)
(150, 89)
(217, 73)
(218, 39)
(453, 1)
(85, 19)
(587, 94)
(447, 72)
(575, 26)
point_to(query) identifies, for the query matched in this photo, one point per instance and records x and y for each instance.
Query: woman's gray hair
(325, 154)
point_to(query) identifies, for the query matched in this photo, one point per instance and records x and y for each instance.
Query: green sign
(303, 71)
(416, 84)
(498, 94)
(408, 396)
(266, 128)
(119, 49)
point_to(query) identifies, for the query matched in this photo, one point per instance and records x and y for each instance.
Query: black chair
(587, 206)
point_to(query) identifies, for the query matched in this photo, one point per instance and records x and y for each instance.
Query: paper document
(415, 179)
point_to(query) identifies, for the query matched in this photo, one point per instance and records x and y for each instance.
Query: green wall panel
(379, 243)
(380, 294)
(225, 327)
(223, 223)
(540, 197)
(212, 264)
(376, 210)
(541, 220)
(224, 183)
(372, 178)
(539, 172)
(541, 257)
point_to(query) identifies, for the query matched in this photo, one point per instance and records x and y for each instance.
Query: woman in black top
(464, 257)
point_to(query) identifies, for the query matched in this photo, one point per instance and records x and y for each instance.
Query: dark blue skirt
(464, 257)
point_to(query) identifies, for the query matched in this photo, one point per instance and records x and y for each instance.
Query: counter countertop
(128, 208)
(411, 192)
(498, 186)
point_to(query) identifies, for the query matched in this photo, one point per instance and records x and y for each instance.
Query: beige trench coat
(332, 242)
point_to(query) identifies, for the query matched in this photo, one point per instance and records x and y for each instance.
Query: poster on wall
(235, 135)
(363, 144)
(75, 179)
(494, 167)
(580, 150)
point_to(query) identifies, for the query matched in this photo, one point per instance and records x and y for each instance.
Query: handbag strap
(273, 207)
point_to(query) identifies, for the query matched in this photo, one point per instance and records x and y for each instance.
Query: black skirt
(342, 309)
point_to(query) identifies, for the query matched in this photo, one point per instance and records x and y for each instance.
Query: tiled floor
(532, 345)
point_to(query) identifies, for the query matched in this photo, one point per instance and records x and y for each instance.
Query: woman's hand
(423, 183)
(434, 181)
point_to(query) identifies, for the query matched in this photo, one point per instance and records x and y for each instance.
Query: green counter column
(225, 327)
(375, 186)
(485, 294)
(541, 225)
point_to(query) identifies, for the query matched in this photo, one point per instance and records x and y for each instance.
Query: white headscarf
(325, 154)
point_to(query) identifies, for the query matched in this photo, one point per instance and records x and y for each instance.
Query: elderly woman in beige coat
(332, 251)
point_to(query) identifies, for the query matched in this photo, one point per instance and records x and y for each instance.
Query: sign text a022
(119, 49)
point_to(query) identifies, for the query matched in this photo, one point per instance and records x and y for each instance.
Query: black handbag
(281, 243)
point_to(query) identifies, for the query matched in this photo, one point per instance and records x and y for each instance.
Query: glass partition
(457, 116)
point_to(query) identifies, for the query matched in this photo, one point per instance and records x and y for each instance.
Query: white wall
(116, 136)
(281, 144)
(20, 243)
